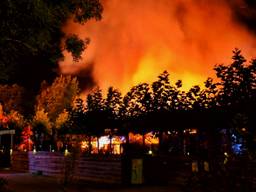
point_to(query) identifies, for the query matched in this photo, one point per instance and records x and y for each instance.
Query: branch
(21, 43)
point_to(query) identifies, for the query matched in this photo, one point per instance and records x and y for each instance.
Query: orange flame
(137, 40)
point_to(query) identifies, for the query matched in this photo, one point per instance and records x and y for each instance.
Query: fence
(102, 169)
(19, 161)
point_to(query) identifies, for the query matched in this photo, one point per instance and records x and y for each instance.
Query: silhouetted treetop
(31, 35)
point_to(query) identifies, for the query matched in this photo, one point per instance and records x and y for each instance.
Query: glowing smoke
(138, 39)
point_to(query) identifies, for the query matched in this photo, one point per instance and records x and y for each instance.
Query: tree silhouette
(113, 102)
(112, 108)
(77, 119)
(237, 91)
(237, 82)
(96, 116)
(161, 92)
(31, 36)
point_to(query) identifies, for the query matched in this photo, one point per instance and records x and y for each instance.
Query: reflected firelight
(106, 144)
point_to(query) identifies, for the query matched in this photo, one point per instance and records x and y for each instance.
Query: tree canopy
(31, 37)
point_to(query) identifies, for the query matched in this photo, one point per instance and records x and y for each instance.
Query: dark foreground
(25, 182)
(237, 176)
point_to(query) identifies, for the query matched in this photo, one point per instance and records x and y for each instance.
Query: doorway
(6, 144)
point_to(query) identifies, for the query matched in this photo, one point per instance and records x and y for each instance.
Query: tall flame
(138, 39)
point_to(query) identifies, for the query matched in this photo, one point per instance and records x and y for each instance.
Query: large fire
(138, 39)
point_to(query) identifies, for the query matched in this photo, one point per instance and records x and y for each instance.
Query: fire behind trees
(32, 40)
(226, 102)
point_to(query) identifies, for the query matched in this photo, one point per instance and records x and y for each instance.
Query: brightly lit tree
(57, 97)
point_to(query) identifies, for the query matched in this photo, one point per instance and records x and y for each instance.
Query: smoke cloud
(138, 39)
(86, 78)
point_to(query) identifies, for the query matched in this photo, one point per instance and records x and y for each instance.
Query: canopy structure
(7, 132)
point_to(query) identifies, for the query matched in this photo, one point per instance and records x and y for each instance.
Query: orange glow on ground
(137, 40)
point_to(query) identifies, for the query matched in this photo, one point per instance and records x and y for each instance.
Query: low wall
(100, 169)
(47, 163)
(19, 161)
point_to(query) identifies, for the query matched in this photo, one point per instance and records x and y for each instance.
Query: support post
(11, 141)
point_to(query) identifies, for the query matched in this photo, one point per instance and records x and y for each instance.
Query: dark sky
(245, 11)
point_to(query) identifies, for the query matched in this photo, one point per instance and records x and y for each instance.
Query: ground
(25, 182)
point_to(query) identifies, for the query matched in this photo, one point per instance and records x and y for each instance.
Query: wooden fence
(100, 169)
(19, 161)
(46, 163)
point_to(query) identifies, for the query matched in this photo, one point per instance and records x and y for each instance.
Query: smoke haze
(138, 39)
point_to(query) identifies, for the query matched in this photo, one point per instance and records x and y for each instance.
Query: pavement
(25, 182)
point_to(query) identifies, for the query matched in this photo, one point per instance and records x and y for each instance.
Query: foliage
(237, 82)
(237, 93)
(76, 46)
(76, 119)
(113, 101)
(52, 109)
(95, 111)
(26, 143)
(62, 119)
(16, 118)
(4, 121)
(16, 122)
(137, 101)
(32, 42)
(12, 96)
(41, 119)
(57, 97)
(146, 104)
(161, 93)
(95, 101)
(31, 36)
(228, 101)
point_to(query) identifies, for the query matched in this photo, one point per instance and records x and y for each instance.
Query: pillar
(11, 141)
